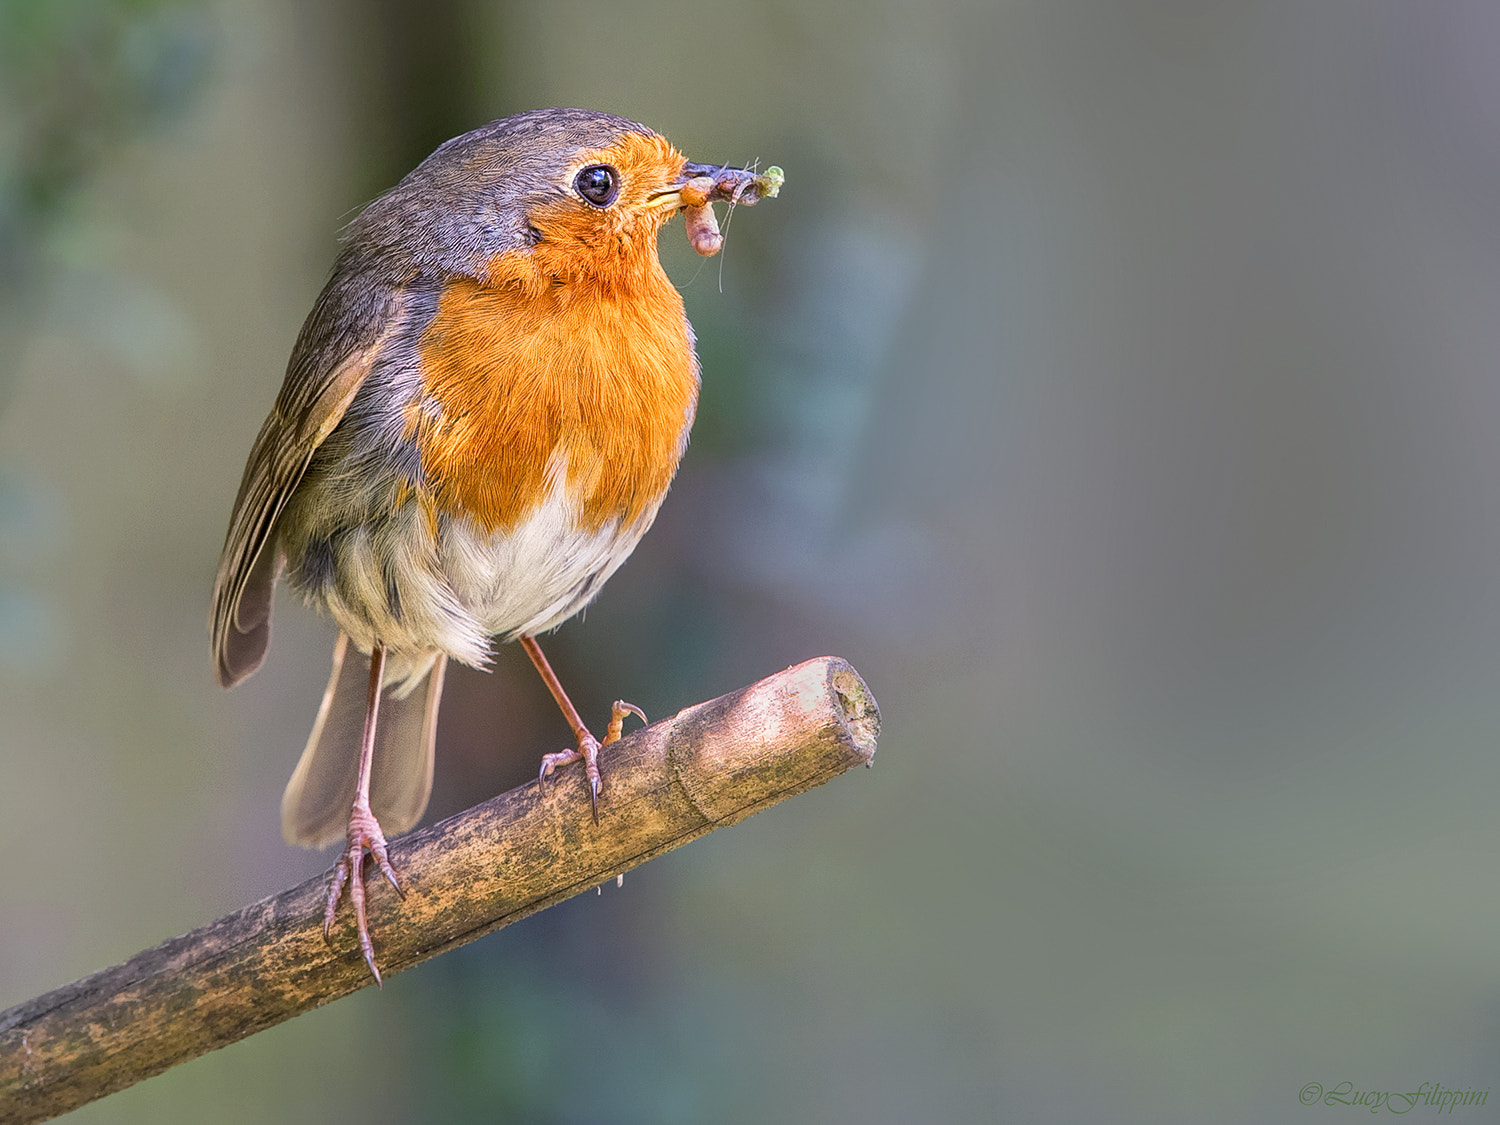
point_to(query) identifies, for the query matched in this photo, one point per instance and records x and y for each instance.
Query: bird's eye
(598, 183)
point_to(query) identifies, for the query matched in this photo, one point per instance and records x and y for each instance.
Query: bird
(479, 420)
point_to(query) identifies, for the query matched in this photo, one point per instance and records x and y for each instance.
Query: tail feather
(315, 806)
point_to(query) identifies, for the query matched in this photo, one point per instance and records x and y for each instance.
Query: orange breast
(526, 374)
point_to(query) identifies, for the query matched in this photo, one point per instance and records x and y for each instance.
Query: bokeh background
(1114, 384)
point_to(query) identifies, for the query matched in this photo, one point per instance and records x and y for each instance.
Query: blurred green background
(1114, 384)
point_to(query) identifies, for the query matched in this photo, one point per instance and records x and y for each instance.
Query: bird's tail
(315, 806)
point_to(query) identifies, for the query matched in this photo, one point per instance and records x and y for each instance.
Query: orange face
(611, 243)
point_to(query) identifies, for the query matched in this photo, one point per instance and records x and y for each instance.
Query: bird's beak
(698, 184)
(734, 185)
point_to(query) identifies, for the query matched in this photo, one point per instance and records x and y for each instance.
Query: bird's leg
(588, 745)
(364, 831)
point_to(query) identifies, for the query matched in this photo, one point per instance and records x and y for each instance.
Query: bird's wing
(344, 334)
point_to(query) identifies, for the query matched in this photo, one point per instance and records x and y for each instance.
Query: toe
(617, 719)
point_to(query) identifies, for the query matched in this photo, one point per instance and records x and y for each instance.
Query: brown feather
(305, 414)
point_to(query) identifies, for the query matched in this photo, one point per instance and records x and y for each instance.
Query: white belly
(417, 593)
(540, 574)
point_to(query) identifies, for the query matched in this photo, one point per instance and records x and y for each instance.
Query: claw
(551, 762)
(335, 892)
(588, 753)
(382, 860)
(364, 835)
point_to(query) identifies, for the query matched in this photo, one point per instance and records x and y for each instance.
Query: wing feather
(344, 335)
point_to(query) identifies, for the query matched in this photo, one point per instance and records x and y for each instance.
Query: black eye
(598, 183)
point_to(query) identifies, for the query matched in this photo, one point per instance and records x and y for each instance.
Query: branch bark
(707, 767)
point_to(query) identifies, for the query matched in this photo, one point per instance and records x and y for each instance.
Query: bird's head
(572, 193)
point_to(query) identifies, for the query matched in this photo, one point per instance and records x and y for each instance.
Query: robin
(479, 421)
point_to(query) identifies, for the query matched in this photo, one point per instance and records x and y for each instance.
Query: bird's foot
(364, 835)
(588, 751)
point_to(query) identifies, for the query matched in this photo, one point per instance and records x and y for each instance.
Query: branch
(707, 767)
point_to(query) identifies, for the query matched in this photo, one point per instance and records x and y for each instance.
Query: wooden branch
(709, 766)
